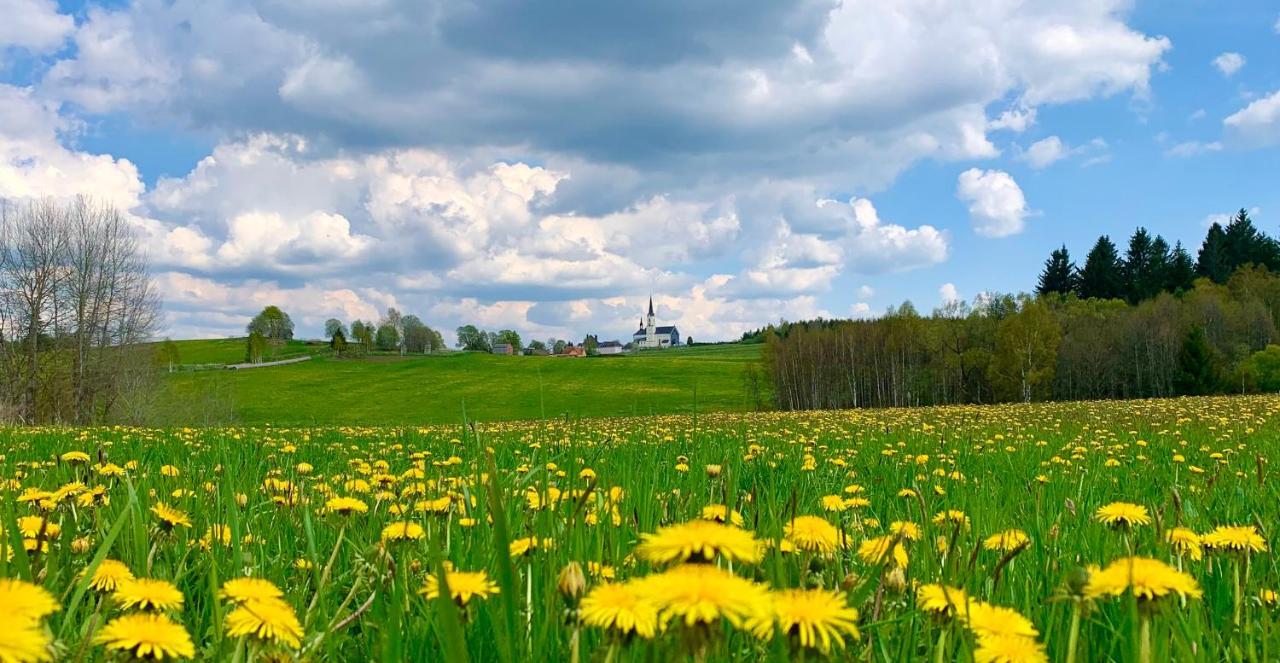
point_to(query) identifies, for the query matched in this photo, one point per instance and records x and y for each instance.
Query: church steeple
(650, 305)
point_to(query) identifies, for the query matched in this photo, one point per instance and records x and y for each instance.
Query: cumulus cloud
(997, 207)
(948, 293)
(1193, 148)
(1045, 152)
(33, 25)
(1229, 63)
(1258, 124)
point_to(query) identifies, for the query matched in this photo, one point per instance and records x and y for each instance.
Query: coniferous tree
(1244, 244)
(1212, 261)
(1137, 267)
(1101, 277)
(1197, 374)
(1059, 275)
(1181, 272)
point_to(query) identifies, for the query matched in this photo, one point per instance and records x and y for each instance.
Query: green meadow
(433, 389)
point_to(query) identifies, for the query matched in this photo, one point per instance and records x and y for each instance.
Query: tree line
(76, 306)
(1149, 323)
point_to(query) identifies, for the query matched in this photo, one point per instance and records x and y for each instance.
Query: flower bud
(572, 581)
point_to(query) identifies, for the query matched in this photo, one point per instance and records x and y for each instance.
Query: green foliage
(255, 347)
(338, 342)
(1197, 373)
(333, 327)
(1101, 277)
(168, 355)
(388, 337)
(1265, 368)
(1026, 352)
(510, 337)
(591, 344)
(472, 338)
(272, 324)
(1059, 275)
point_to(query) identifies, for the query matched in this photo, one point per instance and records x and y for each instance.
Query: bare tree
(76, 300)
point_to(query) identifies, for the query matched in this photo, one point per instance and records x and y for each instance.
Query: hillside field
(388, 389)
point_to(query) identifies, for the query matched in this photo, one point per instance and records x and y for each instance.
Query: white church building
(651, 336)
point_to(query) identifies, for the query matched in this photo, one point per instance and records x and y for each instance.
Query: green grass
(231, 350)
(435, 389)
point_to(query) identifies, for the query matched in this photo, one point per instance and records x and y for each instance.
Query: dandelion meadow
(1090, 531)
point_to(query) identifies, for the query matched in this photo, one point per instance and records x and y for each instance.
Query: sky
(549, 166)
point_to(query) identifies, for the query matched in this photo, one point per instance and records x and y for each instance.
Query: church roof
(666, 330)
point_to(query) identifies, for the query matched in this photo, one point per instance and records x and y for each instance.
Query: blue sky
(547, 167)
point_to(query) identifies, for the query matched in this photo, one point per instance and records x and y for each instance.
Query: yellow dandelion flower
(1122, 514)
(815, 619)
(403, 531)
(721, 513)
(108, 576)
(1148, 579)
(694, 594)
(170, 517)
(240, 590)
(878, 550)
(942, 600)
(1009, 649)
(1006, 541)
(147, 636)
(345, 506)
(25, 642)
(24, 601)
(148, 594)
(986, 620)
(813, 534)
(1185, 542)
(1234, 538)
(699, 540)
(267, 619)
(620, 607)
(906, 530)
(463, 586)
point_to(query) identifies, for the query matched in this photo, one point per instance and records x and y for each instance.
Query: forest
(1151, 322)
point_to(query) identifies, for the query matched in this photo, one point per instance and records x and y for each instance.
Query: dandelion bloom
(1149, 579)
(721, 513)
(702, 594)
(33, 526)
(345, 506)
(25, 601)
(813, 618)
(1122, 514)
(905, 529)
(25, 642)
(1006, 541)
(108, 576)
(1234, 538)
(240, 590)
(813, 534)
(170, 517)
(1009, 649)
(526, 545)
(267, 619)
(1185, 542)
(941, 600)
(953, 516)
(620, 607)
(877, 551)
(147, 636)
(148, 594)
(986, 620)
(403, 532)
(463, 586)
(699, 540)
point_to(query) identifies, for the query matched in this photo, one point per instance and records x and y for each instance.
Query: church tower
(650, 327)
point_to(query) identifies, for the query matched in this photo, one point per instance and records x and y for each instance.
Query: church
(650, 336)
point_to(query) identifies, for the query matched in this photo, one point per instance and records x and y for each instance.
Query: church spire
(650, 304)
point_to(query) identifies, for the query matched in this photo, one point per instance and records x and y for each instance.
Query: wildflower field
(1136, 530)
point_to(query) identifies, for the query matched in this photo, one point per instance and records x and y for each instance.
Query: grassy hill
(434, 389)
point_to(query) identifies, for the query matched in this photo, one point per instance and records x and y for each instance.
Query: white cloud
(860, 310)
(1193, 148)
(33, 25)
(34, 162)
(1258, 124)
(1016, 120)
(1229, 63)
(1044, 152)
(997, 207)
(866, 292)
(948, 293)
(1222, 218)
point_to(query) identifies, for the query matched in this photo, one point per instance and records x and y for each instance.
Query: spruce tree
(1197, 374)
(1245, 244)
(1138, 267)
(1101, 277)
(1181, 272)
(1212, 263)
(1059, 275)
